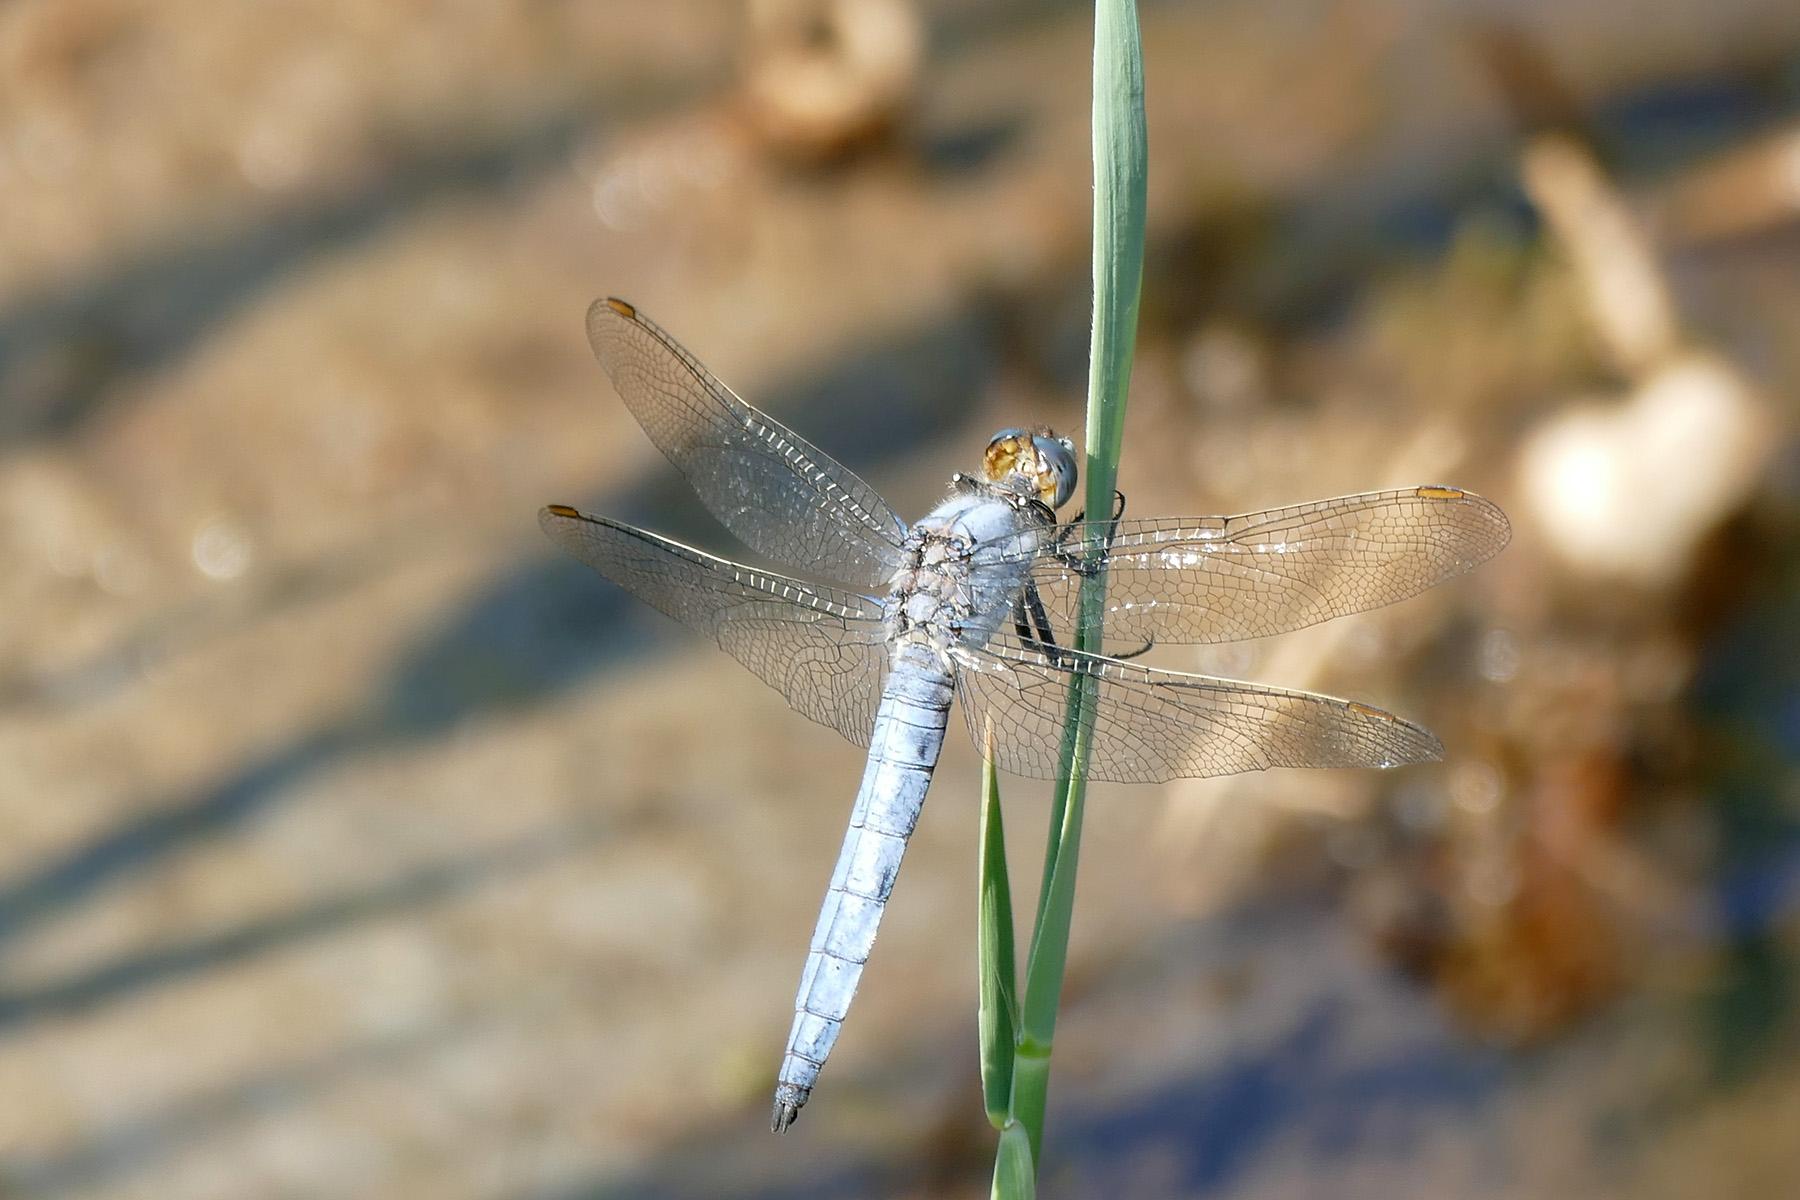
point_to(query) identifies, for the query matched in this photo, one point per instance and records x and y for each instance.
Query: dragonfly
(883, 624)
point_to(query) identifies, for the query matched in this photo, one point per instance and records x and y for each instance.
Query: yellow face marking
(623, 309)
(1440, 493)
(561, 510)
(1001, 459)
(1017, 456)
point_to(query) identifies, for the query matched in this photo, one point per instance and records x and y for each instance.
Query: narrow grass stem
(1120, 170)
(1015, 1178)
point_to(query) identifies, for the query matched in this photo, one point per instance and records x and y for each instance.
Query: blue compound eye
(1059, 453)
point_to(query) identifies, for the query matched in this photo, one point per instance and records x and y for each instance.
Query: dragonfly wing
(778, 493)
(1149, 726)
(822, 649)
(1224, 579)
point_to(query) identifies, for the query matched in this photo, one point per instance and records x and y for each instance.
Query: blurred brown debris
(1556, 895)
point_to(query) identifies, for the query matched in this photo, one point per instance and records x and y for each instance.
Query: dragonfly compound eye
(1058, 455)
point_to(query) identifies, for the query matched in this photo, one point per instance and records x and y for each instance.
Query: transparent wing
(1223, 579)
(1151, 726)
(777, 492)
(820, 648)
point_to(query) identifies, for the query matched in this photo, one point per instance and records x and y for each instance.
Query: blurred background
(357, 845)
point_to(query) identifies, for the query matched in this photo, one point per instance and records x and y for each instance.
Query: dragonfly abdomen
(903, 750)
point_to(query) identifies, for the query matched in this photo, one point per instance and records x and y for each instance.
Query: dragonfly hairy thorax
(965, 563)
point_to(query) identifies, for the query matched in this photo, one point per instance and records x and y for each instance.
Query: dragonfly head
(1034, 461)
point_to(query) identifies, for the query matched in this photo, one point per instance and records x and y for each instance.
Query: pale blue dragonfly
(979, 601)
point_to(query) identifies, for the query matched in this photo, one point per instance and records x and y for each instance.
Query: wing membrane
(1224, 579)
(778, 493)
(822, 649)
(1150, 726)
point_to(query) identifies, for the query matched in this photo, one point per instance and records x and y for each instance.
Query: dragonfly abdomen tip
(786, 1112)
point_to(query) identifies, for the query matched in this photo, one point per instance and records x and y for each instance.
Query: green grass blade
(1121, 168)
(1120, 172)
(1014, 1177)
(997, 955)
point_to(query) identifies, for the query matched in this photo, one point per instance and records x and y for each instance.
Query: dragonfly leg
(1035, 631)
(1032, 624)
(1076, 562)
(1143, 649)
(1080, 566)
(1022, 625)
(1118, 511)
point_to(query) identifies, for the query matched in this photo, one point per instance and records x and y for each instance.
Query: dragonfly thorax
(929, 594)
(954, 585)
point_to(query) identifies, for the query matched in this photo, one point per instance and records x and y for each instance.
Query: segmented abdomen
(908, 735)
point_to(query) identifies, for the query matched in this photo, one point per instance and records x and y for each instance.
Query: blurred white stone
(221, 549)
(1628, 490)
(824, 75)
(1476, 786)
